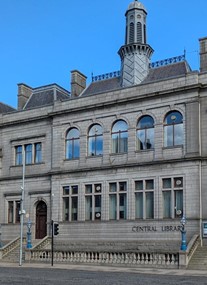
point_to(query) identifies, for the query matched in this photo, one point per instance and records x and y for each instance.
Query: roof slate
(155, 74)
(44, 98)
(102, 86)
(167, 71)
(5, 108)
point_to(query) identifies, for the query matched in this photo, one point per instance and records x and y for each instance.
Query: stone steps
(199, 259)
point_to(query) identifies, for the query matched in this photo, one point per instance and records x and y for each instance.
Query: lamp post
(0, 237)
(29, 225)
(183, 233)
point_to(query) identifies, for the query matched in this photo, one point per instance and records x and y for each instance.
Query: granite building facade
(122, 159)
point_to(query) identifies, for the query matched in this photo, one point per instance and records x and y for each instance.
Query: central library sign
(160, 228)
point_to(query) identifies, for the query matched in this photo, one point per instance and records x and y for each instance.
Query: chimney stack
(24, 92)
(203, 54)
(78, 83)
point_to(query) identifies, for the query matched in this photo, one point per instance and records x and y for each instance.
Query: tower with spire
(136, 53)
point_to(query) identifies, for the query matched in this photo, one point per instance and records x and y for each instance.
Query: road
(56, 276)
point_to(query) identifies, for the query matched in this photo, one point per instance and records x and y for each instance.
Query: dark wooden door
(41, 220)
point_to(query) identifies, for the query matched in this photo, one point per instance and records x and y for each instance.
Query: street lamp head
(183, 221)
(29, 224)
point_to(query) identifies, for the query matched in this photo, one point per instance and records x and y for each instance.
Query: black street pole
(52, 245)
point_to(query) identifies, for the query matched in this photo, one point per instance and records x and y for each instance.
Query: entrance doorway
(41, 220)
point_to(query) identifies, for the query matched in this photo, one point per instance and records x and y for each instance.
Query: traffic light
(56, 229)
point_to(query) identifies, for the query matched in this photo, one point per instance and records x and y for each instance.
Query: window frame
(143, 192)
(118, 139)
(13, 215)
(170, 191)
(30, 153)
(118, 199)
(70, 197)
(93, 201)
(93, 139)
(70, 144)
(147, 127)
(171, 129)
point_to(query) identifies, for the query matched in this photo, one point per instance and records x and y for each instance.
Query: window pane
(74, 208)
(178, 182)
(73, 134)
(178, 134)
(122, 186)
(122, 206)
(74, 189)
(140, 139)
(139, 205)
(66, 209)
(38, 152)
(145, 122)
(17, 211)
(149, 205)
(123, 142)
(19, 155)
(173, 117)
(66, 190)
(28, 154)
(115, 148)
(166, 183)
(112, 187)
(10, 211)
(168, 136)
(166, 204)
(97, 188)
(97, 207)
(88, 189)
(139, 185)
(76, 150)
(120, 126)
(178, 202)
(112, 207)
(149, 184)
(150, 139)
(88, 208)
(91, 146)
(99, 145)
(95, 130)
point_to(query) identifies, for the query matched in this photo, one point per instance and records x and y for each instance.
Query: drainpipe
(200, 169)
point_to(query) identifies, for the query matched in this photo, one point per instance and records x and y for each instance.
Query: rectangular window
(28, 154)
(118, 200)
(93, 202)
(70, 203)
(38, 153)
(144, 199)
(172, 196)
(33, 153)
(13, 211)
(18, 153)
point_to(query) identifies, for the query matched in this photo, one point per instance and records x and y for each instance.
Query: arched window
(145, 133)
(173, 129)
(131, 33)
(120, 137)
(73, 144)
(139, 32)
(95, 140)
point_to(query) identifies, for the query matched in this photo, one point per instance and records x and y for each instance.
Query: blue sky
(43, 40)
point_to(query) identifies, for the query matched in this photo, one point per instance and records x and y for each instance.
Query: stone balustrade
(166, 260)
(5, 250)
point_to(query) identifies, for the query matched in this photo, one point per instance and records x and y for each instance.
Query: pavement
(103, 268)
